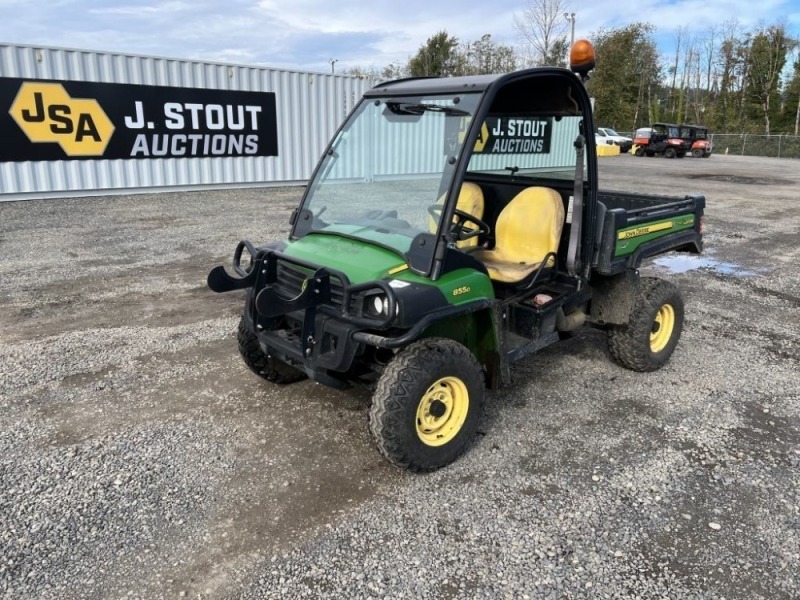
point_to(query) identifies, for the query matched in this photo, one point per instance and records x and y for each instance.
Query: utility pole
(570, 17)
(333, 61)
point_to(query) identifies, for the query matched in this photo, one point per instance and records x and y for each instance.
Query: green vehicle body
(340, 300)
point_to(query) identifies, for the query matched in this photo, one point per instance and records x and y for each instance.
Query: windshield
(387, 168)
(611, 132)
(669, 130)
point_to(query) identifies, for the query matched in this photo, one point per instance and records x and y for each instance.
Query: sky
(307, 34)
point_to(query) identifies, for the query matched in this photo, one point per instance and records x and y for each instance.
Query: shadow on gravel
(741, 179)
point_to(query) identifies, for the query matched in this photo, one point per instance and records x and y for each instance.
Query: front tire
(697, 153)
(639, 152)
(266, 367)
(670, 153)
(427, 405)
(652, 333)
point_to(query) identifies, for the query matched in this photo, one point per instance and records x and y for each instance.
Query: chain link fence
(777, 146)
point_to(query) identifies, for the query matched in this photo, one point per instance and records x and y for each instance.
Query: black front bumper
(303, 314)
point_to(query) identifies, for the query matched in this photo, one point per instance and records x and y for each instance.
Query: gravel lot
(140, 459)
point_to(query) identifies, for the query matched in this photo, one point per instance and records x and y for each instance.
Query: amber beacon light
(581, 57)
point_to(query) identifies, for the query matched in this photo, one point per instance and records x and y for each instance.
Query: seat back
(529, 227)
(470, 200)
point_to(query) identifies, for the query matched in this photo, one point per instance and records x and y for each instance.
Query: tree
(730, 68)
(363, 72)
(394, 71)
(627, 70)
(543, 29)
(680, 35)
(484, 56)
(435, 58)
(766, 60)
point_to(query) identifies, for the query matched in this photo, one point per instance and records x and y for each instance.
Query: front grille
(291, 277)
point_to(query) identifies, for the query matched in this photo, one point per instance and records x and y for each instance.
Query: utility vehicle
(697, 136)
(607, 135)
(452, 227)
(660, 138)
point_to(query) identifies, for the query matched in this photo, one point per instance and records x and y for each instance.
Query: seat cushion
(470, 201)
(528, 229)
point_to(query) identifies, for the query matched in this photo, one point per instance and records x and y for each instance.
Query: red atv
(697, 136)
(661, 138)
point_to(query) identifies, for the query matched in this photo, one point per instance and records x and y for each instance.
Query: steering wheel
(459, 228)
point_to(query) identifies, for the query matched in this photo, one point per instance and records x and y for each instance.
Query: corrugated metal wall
(310, 108)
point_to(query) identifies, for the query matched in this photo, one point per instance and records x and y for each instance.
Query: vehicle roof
(413, 86)
(694, 126)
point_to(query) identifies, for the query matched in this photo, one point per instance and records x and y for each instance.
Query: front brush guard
(218, 279)
(262, 275)
(271, 300)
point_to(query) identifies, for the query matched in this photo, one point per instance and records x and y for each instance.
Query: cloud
(305, 34)
(164, 8)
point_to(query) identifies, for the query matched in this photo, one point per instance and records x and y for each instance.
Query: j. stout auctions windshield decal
(49, 120)
(502, 135)
(515, 135)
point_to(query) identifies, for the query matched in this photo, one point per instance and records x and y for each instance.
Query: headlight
(377, 305)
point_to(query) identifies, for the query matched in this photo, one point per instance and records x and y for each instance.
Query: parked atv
(453, 227)
(697, 136)
(661, 138)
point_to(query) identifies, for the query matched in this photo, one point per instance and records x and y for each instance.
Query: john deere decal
(49, 120)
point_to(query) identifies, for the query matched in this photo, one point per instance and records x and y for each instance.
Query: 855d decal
(49, 120)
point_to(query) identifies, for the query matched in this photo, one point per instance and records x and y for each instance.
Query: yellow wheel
(427, 404)
(654, 327)
(442, 411)
(663, 326)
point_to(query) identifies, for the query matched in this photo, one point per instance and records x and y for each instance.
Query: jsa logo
(47, 114)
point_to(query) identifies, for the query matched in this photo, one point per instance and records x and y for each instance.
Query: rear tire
(266, 367)
(652, 333)
(639, 152)
(427, 404)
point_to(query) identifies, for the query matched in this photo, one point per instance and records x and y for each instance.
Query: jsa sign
(45, 120)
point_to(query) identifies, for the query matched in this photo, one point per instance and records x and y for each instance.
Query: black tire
(639, 152)
(670, 153)
(638, 345)
(697, 153)
(407, 393)
(264, 366)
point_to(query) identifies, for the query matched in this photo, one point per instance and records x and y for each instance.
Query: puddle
(681, 263)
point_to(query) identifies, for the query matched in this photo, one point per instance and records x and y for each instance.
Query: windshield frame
(487, 90)
(421, 252)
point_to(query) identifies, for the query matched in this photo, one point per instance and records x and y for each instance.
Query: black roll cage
(489, 86)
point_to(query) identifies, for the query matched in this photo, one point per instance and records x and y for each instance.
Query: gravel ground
(140, 459)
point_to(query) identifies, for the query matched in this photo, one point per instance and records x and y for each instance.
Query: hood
(359, 260)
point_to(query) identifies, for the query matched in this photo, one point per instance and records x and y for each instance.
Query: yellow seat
(470, 200)
(527, 230)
